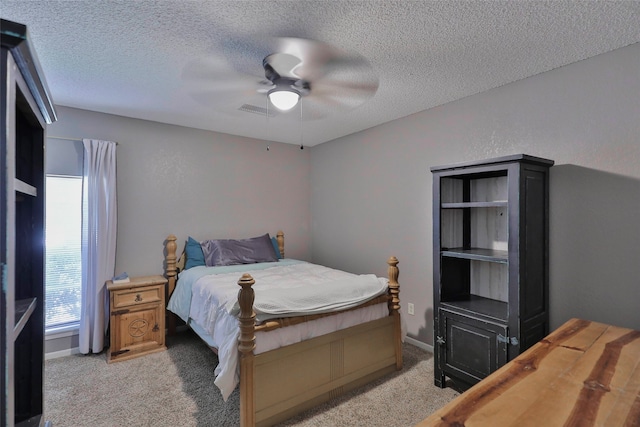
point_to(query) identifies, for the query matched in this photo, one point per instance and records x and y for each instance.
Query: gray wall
(182, 181)
(64, 157)
(371, 191)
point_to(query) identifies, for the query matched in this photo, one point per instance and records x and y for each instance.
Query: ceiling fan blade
(266, 88)
(341, 95)
(270, 73)
(328, 103)
(213, 83)
(319, 107)
(318, 59)
(359, 90)
(228, 85)
(279, 65)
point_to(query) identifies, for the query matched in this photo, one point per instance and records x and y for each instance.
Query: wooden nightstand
(137, 317)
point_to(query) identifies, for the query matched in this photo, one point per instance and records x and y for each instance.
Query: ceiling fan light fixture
(283, 99)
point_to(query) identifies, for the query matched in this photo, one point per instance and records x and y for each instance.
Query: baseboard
(76, 350)
(62, 353)
(182, 328)
(419, 344)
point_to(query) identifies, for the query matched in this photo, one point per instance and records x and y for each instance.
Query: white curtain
(99, 222)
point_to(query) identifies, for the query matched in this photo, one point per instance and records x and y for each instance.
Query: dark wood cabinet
(26, 109)
(490, 275)
(462, 332)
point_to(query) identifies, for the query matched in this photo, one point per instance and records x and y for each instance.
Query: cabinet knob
(439, 340)
(138, 298)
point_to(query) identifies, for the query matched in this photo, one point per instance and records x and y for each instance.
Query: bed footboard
(280, 383)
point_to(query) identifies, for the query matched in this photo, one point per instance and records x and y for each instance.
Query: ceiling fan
(282, 70)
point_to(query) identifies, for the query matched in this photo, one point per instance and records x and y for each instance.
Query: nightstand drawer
(127, 298)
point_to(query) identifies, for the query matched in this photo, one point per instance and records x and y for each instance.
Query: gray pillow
(243, 251)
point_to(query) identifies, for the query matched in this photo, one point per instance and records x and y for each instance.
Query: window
(63, 266)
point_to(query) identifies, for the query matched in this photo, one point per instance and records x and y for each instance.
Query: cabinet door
(139, 329)
(470, 348)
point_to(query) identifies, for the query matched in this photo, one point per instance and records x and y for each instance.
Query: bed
(277, 381)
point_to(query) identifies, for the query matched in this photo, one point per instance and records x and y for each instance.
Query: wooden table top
(582, 374)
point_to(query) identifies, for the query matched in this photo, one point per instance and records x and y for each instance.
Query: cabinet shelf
(463, 205)
(475, 304)
(478, 254)
(23, 308)
(24, 188)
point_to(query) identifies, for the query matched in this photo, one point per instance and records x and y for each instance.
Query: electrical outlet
(411, 309)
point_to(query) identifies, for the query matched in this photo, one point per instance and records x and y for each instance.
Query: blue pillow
(274, 242)
(195, 256)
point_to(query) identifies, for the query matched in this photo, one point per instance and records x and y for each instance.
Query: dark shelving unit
(26, 109)
(490, 275)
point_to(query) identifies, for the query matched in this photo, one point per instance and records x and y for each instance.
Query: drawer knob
(138, 298)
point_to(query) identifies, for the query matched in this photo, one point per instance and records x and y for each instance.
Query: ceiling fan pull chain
(266, 98)
(301, 132)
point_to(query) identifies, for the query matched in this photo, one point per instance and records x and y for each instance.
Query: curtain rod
(69, 139)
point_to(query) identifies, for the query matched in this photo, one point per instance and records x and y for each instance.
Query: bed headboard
(173, 264)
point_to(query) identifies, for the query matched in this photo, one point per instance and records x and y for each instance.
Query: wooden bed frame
(280, 383)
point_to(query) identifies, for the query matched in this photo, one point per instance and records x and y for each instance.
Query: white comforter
(303, 287)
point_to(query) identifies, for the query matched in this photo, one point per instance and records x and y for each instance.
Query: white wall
(182, 181)
(371, 191)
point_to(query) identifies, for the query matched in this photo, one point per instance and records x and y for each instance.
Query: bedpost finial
(393, 271)
(246, 294)
(394, 288)
(171, 242)
(245, 280)
(171, 248)
(280, 240)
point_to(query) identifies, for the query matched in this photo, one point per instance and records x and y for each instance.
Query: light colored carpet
(175, 389)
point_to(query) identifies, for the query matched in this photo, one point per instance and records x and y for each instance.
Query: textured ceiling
(128, 57)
